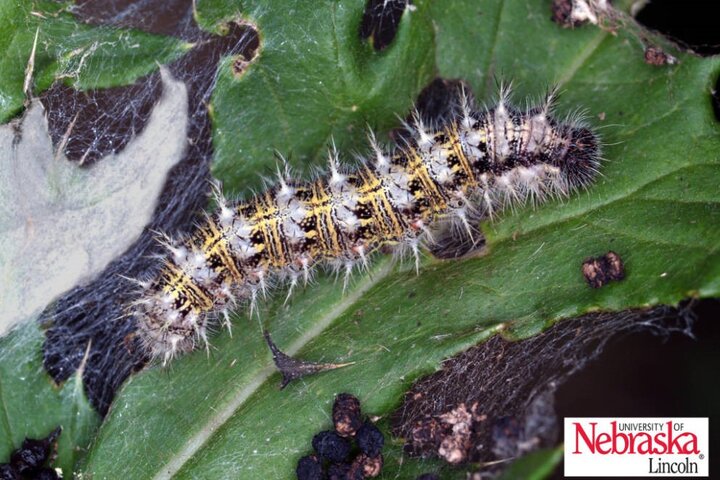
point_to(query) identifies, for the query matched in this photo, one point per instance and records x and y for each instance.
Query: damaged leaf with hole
(34, 407)
(530, 277)
(380, 21)
(496, 401)
(316, 80)
(42, 42)
(223, 415)
(69, 222)
(240, 62)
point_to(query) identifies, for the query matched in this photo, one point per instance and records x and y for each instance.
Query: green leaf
(81, 55)
(534, 466)
(656, 205)
(78, 216)
(31, 405)
(340, 85)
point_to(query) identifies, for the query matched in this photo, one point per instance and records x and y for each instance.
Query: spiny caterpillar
(472, 165)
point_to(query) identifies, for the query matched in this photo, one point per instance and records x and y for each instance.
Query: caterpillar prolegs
(471, 166)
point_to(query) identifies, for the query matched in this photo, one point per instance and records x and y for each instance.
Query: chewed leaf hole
(247, 48)
(240, 64)
(381, 20)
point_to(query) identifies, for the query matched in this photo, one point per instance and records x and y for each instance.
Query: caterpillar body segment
(473, 166)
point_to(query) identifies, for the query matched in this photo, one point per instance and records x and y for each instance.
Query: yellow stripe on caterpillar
(475, 164)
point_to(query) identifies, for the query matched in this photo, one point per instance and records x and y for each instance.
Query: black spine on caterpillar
(471, 167)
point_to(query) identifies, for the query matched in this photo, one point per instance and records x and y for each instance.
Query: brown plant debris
(573, 13)
(598, 271)
(346, 415)
(657, 56)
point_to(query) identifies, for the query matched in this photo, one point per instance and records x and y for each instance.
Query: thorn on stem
(292, 368)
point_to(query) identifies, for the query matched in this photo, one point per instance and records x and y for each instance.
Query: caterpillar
(467, 168)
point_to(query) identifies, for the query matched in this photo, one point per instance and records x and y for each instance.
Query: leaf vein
(239, 397)
(608, 202)
(582, 59)
(6, 416)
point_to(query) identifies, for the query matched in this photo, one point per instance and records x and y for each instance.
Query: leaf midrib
(239, 397)
(195, 442)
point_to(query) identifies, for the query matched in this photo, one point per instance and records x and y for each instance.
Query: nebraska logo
(636, 447)
(638, 442)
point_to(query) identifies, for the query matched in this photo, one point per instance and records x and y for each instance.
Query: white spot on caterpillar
(476, 165)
